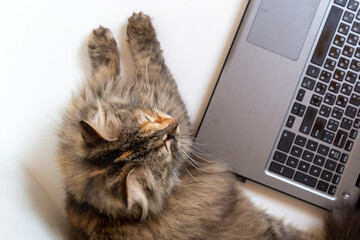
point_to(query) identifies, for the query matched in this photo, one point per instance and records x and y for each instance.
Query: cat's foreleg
(153, 78)
(104, 54)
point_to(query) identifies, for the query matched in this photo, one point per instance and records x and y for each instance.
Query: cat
(125, 154)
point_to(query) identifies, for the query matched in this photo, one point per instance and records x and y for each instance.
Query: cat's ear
(135, 193)
(90, 136)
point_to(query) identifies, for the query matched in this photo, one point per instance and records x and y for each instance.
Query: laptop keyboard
(321, 127)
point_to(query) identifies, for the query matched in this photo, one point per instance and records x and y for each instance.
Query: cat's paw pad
(139, 24)
(101, 39)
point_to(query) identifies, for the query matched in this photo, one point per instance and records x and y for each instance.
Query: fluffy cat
(125, 155)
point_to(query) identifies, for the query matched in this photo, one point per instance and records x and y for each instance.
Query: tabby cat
(125, 154)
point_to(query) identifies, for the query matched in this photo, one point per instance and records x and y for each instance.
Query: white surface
(43, 58)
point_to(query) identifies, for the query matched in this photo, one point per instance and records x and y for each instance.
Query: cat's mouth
(168, 139)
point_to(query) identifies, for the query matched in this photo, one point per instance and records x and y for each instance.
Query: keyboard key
(300, 95)
(315, 71)
(349, 144)
(329, 98)
(355, 65)
(299, 140)
(286, 141)
(296, 151)
(315, 171)
(348, 51)
(352, 39)
(320, 88)
(308, 83)
(353, 5)
(308, 156)
(357, 123)
(325, 111)
(290, 121)
(357, 87)
(334, 154)
(280, 157)
(355, 99)
(318, 128)
(344, 28)
(332, 125)
(292, 162)
(340, 168)
(334, 87)
(327, 35)
(339, 75)
(346, 123)
(336, 179)
(341, 2)
(319, 160)
(358, 15)
(332, 190)
(355, 27)
(337, 113)
(308, 120)
(304, 166)
(325, 76)
(330, 64)
(281, 170)
(346, 89)
(334, 53)
(343, 63)
(353, 134)
(326, 175)
(350, 111)
(342, 101)
(305, 179)
(344, 158)
(348, 16)
(350, 76)
(323, 150)
(339, 40)
(316, 100)
(295, 108)
(301, 111)
(328, 136)
(322, 186)
(312, 145)
(331, 165)
(357, 52)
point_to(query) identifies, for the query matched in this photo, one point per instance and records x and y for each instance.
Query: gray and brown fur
(125, 155)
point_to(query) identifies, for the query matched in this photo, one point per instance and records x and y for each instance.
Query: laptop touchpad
(281, 26)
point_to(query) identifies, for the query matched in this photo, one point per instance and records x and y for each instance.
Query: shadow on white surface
(294, 211)
(27, 210)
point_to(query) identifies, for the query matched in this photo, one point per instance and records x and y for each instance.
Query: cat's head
(125, 162)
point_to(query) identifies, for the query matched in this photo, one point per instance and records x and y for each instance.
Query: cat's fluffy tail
(343, 223)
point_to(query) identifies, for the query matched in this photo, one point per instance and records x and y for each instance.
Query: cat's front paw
(102, 47)
(139, 25)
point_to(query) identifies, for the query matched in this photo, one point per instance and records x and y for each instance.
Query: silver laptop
(285, 110)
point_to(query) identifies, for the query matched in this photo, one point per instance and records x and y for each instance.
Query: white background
(43, 58)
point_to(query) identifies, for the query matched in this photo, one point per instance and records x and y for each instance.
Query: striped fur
(125, 153)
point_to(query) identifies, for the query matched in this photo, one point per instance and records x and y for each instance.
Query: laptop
(285, 110)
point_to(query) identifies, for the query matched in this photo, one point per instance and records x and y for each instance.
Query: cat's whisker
(208, 163)
(196, 164)
(195, 178)
(189, 160)
(197, 150)
(200, 156)
(190, 144)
